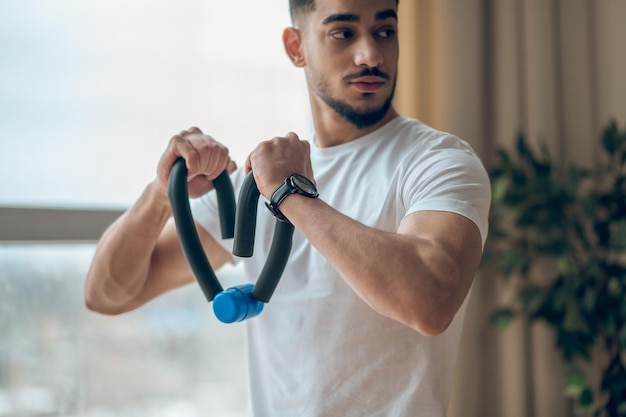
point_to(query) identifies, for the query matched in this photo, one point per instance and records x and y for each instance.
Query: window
(171, 357)
(90, 93)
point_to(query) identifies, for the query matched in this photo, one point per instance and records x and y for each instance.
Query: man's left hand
(274, 160)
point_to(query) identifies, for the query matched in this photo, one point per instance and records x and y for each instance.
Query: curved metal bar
(188, 235)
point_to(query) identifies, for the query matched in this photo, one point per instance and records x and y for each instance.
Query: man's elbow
(432, 317)
(96, 305)
(98, 301)
(102, 308)
(432, 324)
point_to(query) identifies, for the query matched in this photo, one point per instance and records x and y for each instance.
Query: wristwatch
(294, 184)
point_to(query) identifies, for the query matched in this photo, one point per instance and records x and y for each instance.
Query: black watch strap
(294, 184)
(278, 196)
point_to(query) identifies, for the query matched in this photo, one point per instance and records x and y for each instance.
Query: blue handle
(237, 304)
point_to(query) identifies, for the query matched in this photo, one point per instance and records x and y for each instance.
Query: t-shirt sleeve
(449, 176)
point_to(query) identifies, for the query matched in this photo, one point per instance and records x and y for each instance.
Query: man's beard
(361, 119)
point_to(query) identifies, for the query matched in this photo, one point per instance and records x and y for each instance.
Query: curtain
(486, 70)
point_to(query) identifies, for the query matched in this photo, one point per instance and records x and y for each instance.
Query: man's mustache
(367, 72)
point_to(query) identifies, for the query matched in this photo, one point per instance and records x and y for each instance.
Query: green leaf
(572, 321)
(523, 150)
(564, 266)
(572, 180)
(542, 169)
(586, 398)
(533, 297)
(545, 152)
(505, 161)
(579, 230)
(520, 180)
(573, 344)
(589, 300)
(589, 205)
(619, 236)
(575, 384)
(615, 287)
(610, 139)
(501, 318)
(610, 323)
(500, 188)
(509, 261)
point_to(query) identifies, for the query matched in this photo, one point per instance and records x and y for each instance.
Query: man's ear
(293, 46)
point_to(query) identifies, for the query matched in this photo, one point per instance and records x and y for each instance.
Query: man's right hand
(205, 157)
(139, 256)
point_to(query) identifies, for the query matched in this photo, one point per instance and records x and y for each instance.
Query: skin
(418, 276)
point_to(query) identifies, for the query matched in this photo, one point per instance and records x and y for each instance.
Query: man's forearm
(121, 263)
(402, 276)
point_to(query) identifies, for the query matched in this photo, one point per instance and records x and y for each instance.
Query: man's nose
(368, 53)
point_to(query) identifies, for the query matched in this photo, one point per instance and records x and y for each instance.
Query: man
(367, 318)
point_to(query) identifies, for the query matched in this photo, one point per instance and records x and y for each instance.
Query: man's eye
(342, 34)
(386, 33)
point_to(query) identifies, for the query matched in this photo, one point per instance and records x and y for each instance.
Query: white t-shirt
(318, 350)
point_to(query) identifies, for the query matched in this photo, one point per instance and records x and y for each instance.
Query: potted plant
(558, 236)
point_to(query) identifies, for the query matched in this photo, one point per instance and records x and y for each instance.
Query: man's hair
(300, 7)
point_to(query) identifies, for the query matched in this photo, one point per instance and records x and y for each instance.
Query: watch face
(304, 184)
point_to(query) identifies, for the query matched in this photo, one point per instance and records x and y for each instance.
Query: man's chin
(363, 110)
(362, 118)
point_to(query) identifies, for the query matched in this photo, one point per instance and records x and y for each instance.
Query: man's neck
(331, 129)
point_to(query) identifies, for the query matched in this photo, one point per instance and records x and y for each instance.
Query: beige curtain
(484, 70)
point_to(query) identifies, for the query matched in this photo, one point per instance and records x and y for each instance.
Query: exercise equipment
(238, 221)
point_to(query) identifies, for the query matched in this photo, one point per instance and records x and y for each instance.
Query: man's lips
(368, 84)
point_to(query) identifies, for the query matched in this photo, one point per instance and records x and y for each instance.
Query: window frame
(54, 225)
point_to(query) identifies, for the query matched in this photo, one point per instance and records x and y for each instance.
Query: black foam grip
(188, 235)
(275, 263)
(245, 220)
(226, 204)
